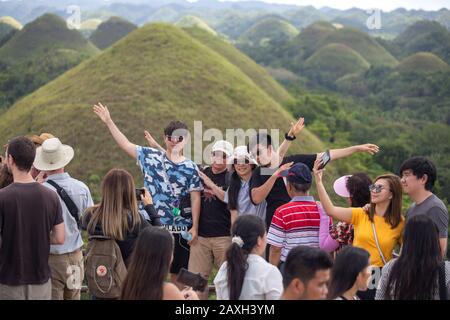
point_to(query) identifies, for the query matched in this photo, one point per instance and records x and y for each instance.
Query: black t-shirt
(28, 213)
(215, 218)
(126, 245)
(278, 196)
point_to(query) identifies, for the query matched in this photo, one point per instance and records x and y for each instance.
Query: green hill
(423, 36)
(308, 41)
(90, 24)
(155, 74)
(336, 60)
(362, 43)
(268, 31)
(8, 25)
(110, 31)
(193, 21)
(13, 23)
(46, 33)
(425, 62)
(255, 72)
(41, 51)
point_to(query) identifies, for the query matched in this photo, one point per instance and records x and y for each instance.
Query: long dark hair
(349, 263)
(393, 214)
(233, 191)
(248, 228)
(358, 188)
(149, 265)
(414, 275)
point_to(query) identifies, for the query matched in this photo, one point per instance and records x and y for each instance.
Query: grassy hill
(336, 60)
(155, 74)
(193, 21)
(252, 70)
(11, 22)
(308, 41)
(425, 62)
(41, 51)
(423, 36)
(8, 25)
(88, 26)
(362, 43)
(269, 30)
(44, 34)
(110, 31)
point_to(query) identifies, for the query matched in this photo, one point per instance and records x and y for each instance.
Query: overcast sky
(385, 5)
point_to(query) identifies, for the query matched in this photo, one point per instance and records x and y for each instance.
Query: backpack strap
(442, 284)
(71, 206)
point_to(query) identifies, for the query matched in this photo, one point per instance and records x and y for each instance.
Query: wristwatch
(289, 138)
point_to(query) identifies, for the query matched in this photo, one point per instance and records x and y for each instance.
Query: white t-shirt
(263, 281)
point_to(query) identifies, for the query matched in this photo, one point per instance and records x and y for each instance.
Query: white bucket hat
(52, 155)
(223, 146)
(242, 153)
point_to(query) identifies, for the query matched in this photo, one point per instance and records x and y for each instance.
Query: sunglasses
(376, 188)
(241, 161)
(219, 155)
(175, 138)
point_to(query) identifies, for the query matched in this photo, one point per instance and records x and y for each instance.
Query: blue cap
(299, 173)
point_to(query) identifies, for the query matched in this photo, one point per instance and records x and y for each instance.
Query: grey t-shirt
(434, 208)
(245, 205)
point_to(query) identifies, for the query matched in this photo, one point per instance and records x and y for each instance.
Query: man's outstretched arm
(345, 152)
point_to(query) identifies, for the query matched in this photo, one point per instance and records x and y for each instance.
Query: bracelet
(289, 138)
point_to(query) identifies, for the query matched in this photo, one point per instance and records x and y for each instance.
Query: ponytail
(245, 232)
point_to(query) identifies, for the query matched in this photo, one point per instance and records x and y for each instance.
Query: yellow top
(364, 238)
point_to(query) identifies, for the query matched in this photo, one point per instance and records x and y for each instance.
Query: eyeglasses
(376, 188)
(175, 139)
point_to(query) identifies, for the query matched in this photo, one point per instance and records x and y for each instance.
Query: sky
(385, 5)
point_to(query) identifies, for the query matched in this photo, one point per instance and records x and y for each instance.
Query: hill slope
(425, 62)
(362, 43)
(337, 60)
(269, 30)
(156, 74)
(110, 31)
(423, 36)
(255, 72)
(193, 21)
(8, 25)
(46, 33)
(42, 50)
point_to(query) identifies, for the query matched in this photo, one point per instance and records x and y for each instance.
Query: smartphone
(139, 192)
(194, 280)
(325, 159)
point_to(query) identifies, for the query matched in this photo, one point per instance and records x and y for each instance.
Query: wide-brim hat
(52, 155)
(223, 146)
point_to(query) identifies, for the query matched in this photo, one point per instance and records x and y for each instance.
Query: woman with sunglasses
(380, 229)
(238, 194)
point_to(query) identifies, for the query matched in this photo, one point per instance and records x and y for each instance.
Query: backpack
(104, 267)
